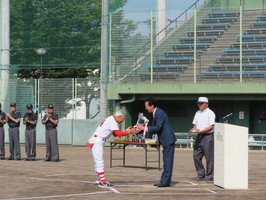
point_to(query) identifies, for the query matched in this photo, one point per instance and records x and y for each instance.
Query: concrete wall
(71, 132)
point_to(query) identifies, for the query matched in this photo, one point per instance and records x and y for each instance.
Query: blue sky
(145, 5)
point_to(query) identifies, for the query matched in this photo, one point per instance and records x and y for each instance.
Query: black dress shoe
(2, 158)
(18, 158)
(33, 159)
(27, 159)
(161, 185)
(55, 160)
(199, 179)
(10, 158)
(208, 179)
(46, 160)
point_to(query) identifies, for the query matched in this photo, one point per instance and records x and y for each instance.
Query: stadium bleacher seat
(204, 39)
(168, 68)
(224, 14)
(236, 67)
(160, 75)
(224, 26)
(253, 38)
(182, 47)
(236, 59)
(206, 33)
(236, 52)
(171, 54)
(219, 20)
(233, 74)
(261, 18)
(172, 61)
(255, 31)
(249, 45)
(258, 24)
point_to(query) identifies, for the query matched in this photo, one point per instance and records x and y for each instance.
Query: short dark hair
(151, 101)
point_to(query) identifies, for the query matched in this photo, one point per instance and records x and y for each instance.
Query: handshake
(132, 130)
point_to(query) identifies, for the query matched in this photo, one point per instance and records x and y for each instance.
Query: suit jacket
(161, 125)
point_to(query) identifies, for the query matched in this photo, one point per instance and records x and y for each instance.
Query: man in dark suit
(161, 125)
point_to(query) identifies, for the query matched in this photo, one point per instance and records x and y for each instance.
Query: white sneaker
(105, 185)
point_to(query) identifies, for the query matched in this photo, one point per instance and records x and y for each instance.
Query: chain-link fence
(72, 98)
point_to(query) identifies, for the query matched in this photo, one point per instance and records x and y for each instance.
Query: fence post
(240, 43)
(151, 47)
(195, 45)
(110, 50)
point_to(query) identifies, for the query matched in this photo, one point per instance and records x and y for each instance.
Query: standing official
(204, 121)
(161, 125)
(30, 119)
(2, 134)
(50, 121)
(13, 120)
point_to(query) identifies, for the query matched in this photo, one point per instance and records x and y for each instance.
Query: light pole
(41, 52)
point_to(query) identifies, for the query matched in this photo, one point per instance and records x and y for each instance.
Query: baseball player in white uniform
(104, 131)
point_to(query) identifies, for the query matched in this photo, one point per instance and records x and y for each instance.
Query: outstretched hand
(132, 130)
(140, 127)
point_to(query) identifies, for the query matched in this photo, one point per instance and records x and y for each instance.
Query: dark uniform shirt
(2, 117)
(49, 125)
(16, 115)
(31, 117)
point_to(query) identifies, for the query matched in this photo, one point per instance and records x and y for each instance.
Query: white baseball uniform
(102, 133)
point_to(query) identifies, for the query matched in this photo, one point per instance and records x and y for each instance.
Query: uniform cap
(29, 106)
(13, 104)
(203, 100)
(50, 106)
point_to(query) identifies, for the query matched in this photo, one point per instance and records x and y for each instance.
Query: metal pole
(104, 60)
(240, 42)
(110, 48)
(75, 97)
(35, 92)
(38, 93)
(5, 47)
(151, 47)
(195, 45)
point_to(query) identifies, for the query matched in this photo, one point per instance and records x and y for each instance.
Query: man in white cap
(203, 122)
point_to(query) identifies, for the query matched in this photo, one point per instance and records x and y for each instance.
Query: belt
(30, 128)
(13, 126)
(96, 136)
(51, 128)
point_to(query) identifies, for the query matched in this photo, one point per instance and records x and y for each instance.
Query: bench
(236, 67)
(250, 38)
(249, 45)
(200, 46)
(261, 18)
(255, 31)
(224, 14)
(160, 75)
(233, 74)
(245, 52)
(245, 59)
(168, 68)
(258, 24)
(171, 54)
(256, 141)
(204, 39)
(224, 26)
(165, 61)
(219, 20)
(206, 33)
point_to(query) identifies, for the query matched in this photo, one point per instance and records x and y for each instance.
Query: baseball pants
(97, 154)
(14, 142)
(204, 146)
(2, 142)
(30, 143)
(52, 151)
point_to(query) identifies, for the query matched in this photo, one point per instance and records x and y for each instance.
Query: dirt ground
(74, 178)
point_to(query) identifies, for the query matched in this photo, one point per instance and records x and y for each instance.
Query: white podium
(231, 156)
